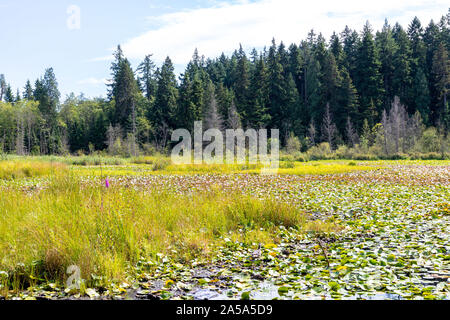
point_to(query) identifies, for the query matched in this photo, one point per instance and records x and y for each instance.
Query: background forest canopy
(357, 95)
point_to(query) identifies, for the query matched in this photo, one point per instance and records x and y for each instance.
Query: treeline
(385, 90)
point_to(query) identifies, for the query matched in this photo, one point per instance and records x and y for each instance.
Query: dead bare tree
(2, 86)
(312, 133)
(234, 120)
(212, 118)
(328, 127)
(352, 136)
(20, 135)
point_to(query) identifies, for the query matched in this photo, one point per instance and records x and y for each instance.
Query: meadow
(144, 228)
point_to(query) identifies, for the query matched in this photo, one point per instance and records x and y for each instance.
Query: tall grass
(10, 170)
(103, 231)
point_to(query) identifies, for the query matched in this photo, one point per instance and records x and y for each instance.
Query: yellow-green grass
(406, 162)
(10, 170)
(104, 231)
(294, 168)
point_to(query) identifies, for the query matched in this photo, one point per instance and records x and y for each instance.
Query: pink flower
(107, 183)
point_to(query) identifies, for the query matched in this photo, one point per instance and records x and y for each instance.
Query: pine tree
(47, 94)
(387, 48)
(257, 113)
(115, 68)
(17, 98)
(225, 98)
(368, 81)
(276, 89)
(296, 65)
(146, 77)
(191, 100)
(440, 81)
(402, 62)
(242, 85)
(350, 40)
(420, 95)
(347, 99)
(415, 34)
(431, 38)
(337, 50)
(166, 97)
(419, 92)
(312, 89)
(28, 91)
(9, 96)
(329, 80)
(125, 92)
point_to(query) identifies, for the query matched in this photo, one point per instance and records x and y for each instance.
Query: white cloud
(93, 82)
(223, 26)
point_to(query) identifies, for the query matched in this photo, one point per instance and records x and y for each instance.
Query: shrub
(160, 164)
(287, 164)
(148, 149)
(322, 151)
(302, 157)
(426, 156)
(343, 152)
(293, 144)
(430, 141)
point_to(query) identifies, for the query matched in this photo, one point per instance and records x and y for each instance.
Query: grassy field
(146, 228)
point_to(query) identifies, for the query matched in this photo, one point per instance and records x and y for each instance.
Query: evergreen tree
(166, 96)
(147, 78)
(311, 89)
(368, 79)
(242, 85)
(28, 91)
(17, 98)
(418, 50)
(431, 38)
(276, 89)
(387, 48)
(402, 63)
(420, 95)
(347, 99)
(296, 65)
(115, 68)
(257, 113)
(419, 92)
(329, 80)
(337, 50)
(9, 96)
(191, 100)
(47, 94)
(440, 81)
(283, 94)
(225, 99)
(350, 39)
(125, 92)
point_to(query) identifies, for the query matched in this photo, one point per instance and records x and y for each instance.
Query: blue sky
(36, 34)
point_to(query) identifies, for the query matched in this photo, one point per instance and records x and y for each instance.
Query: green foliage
(356, 77)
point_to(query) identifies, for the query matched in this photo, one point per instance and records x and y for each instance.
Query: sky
(77, 37)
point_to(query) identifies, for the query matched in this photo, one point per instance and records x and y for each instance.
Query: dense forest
(383, 93)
